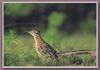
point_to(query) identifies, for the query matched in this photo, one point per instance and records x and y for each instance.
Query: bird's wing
(49, 50)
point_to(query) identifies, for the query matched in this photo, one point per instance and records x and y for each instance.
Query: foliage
(13, 9)
(88, 26)
(21, 50)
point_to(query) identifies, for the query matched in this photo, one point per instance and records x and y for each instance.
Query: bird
(42, 47)
(46, 50)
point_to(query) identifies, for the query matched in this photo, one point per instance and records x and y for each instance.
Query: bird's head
(34, 32)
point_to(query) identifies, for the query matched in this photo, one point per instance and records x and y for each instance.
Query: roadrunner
(43, 48)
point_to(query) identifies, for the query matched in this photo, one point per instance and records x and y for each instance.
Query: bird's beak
(26, 31)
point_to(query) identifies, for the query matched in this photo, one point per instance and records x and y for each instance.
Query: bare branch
(80, 52)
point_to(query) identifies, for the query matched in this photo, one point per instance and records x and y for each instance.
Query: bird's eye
(36, 32)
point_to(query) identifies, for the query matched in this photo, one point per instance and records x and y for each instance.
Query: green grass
(19, 50)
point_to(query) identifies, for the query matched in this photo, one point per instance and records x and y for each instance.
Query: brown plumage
(43, 48)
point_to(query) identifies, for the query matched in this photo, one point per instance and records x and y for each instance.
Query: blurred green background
(65, 26)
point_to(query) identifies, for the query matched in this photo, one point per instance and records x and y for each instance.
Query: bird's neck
(38, 40)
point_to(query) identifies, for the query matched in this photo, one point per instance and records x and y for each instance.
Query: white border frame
(51, 66)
